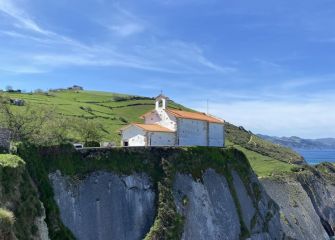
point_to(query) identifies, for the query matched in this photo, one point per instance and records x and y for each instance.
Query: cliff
(105, 204)
(152, 193)
(21, 212)
(169, 193)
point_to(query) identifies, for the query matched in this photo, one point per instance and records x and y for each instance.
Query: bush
(124, 120)
(126, 98)
(297, 169)
(7, 218)
(13, 161)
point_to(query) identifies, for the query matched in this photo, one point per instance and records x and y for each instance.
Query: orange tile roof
(194, 115)
(152, 127)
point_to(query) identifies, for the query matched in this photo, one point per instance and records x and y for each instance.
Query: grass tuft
(12, 161)
(7, 218)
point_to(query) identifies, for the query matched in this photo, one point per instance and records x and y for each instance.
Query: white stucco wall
(192, 132)
(162, 118)
(134, 135)
(162, 139)
(152, 118)
(216, 135)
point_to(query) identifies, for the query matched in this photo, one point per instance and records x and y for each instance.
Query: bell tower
(161, 102)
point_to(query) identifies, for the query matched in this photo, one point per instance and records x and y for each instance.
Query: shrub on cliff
(7, 218)
(13, 161)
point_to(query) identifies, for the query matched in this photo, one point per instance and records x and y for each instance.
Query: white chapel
(165, 126)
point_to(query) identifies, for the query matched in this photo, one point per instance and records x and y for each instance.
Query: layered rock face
(211, 195)
(208, 207)
(299, 219)
(321, 191)
(105, 205)
(307, 202)
(211, 212)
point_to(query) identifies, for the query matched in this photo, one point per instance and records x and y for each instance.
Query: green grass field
(263, 166)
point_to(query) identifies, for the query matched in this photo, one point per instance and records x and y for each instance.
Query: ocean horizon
(316, 156)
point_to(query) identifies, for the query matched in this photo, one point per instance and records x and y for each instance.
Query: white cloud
(127, 29)
(153, 54)
(312, 119)
(21, 69)
(123, 23)
(24, 21)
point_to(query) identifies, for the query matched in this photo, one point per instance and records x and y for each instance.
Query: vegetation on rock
(18, 198)
(7, 220)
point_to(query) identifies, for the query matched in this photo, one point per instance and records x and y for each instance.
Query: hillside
(113, 111)
(246, 139)
(301, 143)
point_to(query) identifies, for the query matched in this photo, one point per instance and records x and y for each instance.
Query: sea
(317, 156)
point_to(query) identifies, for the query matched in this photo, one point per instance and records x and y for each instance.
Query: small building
(17, 102)
(76, 88)
(165, 126)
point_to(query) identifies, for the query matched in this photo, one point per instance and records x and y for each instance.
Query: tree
(88, 130)
(9, 88)
(35, 125)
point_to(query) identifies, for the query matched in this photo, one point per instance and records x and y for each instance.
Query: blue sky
(265, 64)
